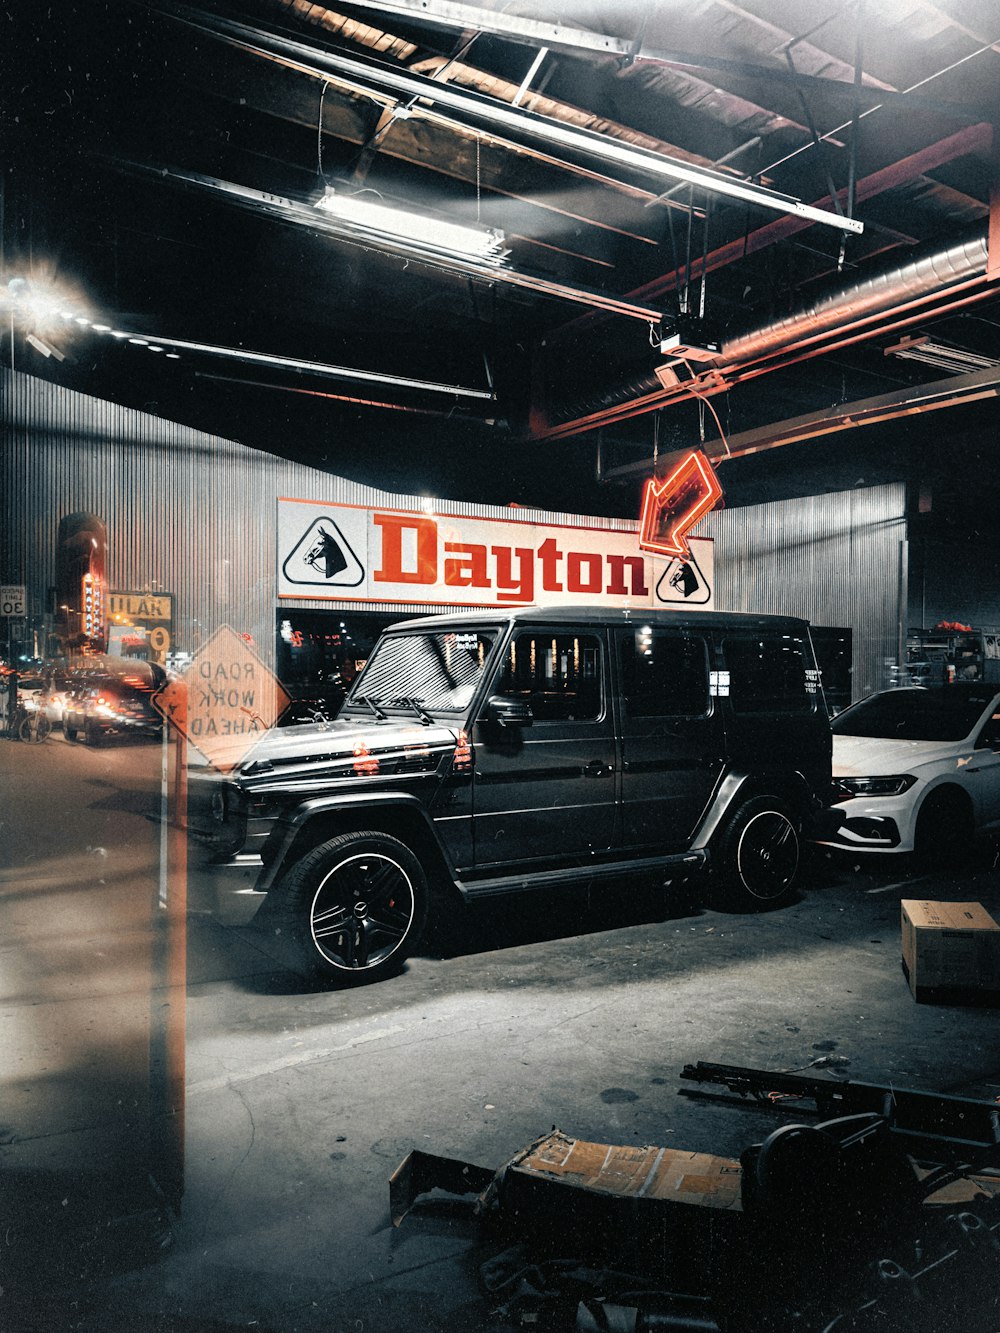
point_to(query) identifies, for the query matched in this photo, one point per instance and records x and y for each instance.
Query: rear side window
(771, 674)
(559, 675)
(665, 674)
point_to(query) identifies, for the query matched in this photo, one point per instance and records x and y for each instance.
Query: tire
(69, 732)
(353, 908)
(756, 858)
(945, 829)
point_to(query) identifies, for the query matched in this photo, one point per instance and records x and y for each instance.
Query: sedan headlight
(888, 786)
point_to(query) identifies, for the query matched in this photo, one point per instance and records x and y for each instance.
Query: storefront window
(319, 653)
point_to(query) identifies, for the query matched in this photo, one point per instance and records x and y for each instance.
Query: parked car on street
(918, 770)
(494, 752)
(113, 703)
(57, 692)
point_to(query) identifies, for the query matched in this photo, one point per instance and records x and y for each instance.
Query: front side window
(771, 673)
(558, 674)
(438, 671)
(665, 674)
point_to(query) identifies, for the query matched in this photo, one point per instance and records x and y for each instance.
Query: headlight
(890, 786)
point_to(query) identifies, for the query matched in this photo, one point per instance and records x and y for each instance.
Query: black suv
(490, 752)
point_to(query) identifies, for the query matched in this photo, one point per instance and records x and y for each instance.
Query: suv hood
(343, 743)
(873, 756)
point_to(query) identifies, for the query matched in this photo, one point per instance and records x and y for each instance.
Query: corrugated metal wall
(187, 513)
(195, 515)
(834, 559)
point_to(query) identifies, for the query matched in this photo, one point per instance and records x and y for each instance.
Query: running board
(554, 879)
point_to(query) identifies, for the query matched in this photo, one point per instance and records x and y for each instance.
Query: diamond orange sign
(225, 701)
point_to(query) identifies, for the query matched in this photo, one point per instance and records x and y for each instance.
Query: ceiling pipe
(916, 282)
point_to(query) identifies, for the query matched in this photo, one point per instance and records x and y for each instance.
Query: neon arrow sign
(671, 507)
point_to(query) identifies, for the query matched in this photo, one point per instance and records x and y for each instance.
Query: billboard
(349, 553)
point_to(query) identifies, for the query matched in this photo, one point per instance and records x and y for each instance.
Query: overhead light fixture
(322, 220)
(172, 347)
(403, 84)
(418, 228)
(954, 359)
(46, 349)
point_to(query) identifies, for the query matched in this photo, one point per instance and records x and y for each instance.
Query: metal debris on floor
(883, 1214)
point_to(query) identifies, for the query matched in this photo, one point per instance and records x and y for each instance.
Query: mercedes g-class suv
(505, 750)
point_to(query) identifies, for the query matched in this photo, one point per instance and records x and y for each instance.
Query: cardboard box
(660, 1210)
(951, 952)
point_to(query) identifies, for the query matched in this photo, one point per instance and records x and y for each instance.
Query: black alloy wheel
(354, 907)
(758, 855)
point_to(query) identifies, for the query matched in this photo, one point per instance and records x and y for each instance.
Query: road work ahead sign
(225, 701)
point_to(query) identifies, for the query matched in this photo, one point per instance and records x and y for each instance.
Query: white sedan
(917, 769)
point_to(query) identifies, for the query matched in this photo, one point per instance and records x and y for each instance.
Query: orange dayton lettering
(417, 563)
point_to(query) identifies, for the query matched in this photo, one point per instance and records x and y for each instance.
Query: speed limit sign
(12, 599)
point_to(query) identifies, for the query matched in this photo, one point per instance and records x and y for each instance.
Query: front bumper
(880, 826)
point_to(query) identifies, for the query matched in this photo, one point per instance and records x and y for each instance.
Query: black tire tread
(727, 892)
(288, 905)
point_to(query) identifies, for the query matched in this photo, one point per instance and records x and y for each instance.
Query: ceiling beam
(353, 72)
(955, 391)
(563, 37)
(971, 139)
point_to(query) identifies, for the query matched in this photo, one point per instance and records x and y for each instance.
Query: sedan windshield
(946, 714)
(436, 671)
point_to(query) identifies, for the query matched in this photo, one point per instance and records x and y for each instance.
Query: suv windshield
(439, 671)
(946, 714)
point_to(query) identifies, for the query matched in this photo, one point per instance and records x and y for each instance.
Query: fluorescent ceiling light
(309, 367)
(317, 219)
(419, 228)
(403, 84)
(954, 359)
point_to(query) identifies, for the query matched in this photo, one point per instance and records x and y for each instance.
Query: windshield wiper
(404, 701)
(367, 699)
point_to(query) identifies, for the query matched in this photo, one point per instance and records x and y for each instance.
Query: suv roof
(599, 616)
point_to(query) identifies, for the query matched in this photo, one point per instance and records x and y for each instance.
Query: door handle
(597, 769)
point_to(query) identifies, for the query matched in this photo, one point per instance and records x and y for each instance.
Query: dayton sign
(350, 553)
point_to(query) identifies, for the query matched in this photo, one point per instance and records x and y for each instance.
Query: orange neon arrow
(671, 507)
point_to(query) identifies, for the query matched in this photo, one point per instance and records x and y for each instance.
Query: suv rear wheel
(757, 856)
(353, 907)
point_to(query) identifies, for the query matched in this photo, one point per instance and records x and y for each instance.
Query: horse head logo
(325, 554)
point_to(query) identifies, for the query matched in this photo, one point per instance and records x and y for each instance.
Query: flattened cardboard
(668, 1210)
(951, 952)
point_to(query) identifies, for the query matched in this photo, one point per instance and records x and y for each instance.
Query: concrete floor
(576, 1011)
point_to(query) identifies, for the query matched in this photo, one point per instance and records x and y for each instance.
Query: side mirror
(504, 712)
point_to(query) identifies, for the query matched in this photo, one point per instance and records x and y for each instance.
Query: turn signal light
(461, 760)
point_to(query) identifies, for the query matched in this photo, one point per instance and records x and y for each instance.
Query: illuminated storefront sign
(354, 553)
(92, 593)
(672, 506)
(140, 624)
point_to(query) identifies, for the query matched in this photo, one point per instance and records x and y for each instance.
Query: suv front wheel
(353, 907)
(757, 856)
